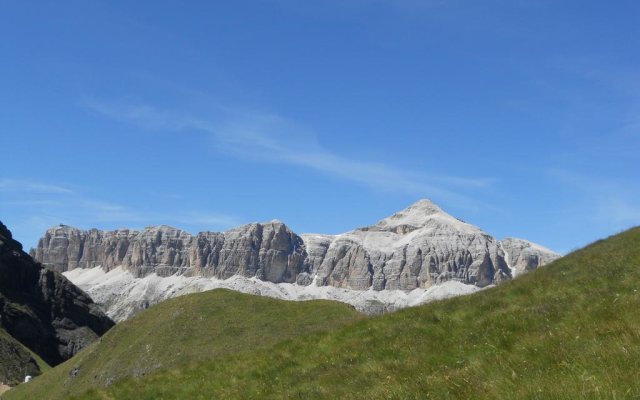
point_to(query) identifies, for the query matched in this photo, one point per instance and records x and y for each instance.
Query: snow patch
(122, 295)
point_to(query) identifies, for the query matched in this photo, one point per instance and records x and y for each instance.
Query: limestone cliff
(414, 248)
(525, 256)
(269, 251)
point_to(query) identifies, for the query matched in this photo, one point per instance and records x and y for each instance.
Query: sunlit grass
(566, 331)
(180, 333)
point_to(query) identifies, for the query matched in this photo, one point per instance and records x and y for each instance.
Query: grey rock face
(525, 256)
(269, 251)
(64, 248)
(414, 248)
(317, 247)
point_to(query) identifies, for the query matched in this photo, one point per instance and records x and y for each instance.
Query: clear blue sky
(520, 117)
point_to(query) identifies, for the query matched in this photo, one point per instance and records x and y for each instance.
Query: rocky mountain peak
(423, 206)
(423, 214)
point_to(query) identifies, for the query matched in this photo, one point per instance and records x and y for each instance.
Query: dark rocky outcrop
(15, 361)
(43, 310)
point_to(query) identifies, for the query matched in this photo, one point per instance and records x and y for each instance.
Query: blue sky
(520, 117)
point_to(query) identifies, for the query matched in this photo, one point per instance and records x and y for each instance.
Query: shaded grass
(15, 360)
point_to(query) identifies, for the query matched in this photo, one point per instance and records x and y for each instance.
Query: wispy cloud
(14, 185)
(274, 139)
(100, 211)
(29, 208)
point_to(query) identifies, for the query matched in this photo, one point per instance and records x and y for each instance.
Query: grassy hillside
(182, 332)
(569, 330)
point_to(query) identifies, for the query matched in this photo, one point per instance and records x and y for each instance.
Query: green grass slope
(566, 331)
(180, 333)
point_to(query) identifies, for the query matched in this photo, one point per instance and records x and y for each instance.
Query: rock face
(43, 310)
(269, 251)
(525, 256)
(416, 248)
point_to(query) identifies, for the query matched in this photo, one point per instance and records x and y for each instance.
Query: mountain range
(418, 254)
